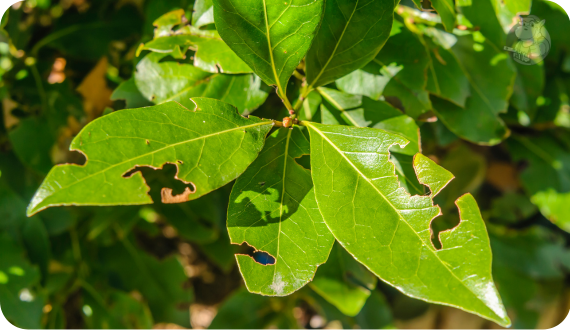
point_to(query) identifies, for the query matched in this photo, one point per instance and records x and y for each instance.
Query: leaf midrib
(267, 35)
(161, 149)
(335, 47)
(395, 209)
(285, 159)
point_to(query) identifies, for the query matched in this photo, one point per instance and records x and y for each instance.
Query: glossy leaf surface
(271, 36)
(211, 146)
(361, 202)
(350, 36)
(273, 209)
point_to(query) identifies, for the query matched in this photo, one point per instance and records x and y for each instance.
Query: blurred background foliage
(64, 63)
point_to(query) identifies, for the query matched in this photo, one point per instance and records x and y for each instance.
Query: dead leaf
(503, 176)
(9, 119)
(96, 94)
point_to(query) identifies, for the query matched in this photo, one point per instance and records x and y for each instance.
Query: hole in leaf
(260, 257)
(161, 183)
(447, 221)
(304, 161)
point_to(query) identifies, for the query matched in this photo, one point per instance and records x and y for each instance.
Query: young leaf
(350, 36)
(273, 208)
(211, 145)
(271, 36)
(361, 202)
(344, 282)
(168, 81)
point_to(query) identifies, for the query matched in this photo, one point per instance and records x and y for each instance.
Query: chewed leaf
(273, 208)
(212, 54)
(161, 82)
(388, 230)
(211, 146)
(430, 174)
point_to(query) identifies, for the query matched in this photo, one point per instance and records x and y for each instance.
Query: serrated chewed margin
(211, 146)
(391, 234)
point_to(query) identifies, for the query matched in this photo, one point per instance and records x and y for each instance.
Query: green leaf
(351, 35)
(243, 310)
(399, 72)
(446, 78)
(361, 202)
(271, 36)
(446, 10)
(529, 86)
(376, 313)
(344, 282)
(211, 53)
(161, 282)
(129, 92)
(203, 13)
(369, 81)
(167, 81)
(491, 74)
(211, 146)
(273, 209)
(165, 23)
(546, 180)
(431, 174)
(360, 111)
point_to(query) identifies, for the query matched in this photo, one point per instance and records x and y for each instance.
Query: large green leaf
(271, 36)
(344, 282)
(350, 36)
(361, 202)
(273, 208)
(167, 81)
(211, 146)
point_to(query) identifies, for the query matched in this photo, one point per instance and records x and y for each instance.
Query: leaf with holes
(351, 35)
(211, 145)
(388, 230)
(166, 81)
(273, 209)
(271, 36)
(211, 53)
